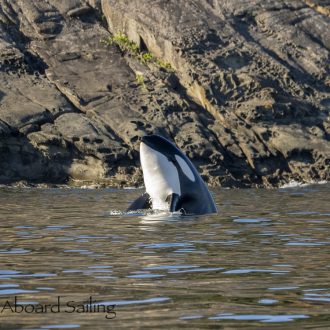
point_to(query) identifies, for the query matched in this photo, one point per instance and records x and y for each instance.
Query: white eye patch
(185, 168)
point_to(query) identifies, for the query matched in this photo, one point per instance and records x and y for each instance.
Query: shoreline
(99, 186)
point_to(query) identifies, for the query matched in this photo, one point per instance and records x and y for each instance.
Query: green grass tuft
(128, 46)
(165, 65)
(140, 80)
(146, 58)
(123, 42)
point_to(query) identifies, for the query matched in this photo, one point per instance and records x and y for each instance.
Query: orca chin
(172, 182)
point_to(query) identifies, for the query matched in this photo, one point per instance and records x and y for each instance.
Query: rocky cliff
(243, 87)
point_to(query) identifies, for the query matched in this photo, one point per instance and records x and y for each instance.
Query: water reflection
(263, 259)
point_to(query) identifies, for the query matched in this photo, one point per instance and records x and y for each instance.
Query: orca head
(165, 168)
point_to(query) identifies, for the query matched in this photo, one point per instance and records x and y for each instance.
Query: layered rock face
(242, 87)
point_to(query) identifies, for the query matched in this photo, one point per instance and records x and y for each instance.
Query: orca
(172, 182)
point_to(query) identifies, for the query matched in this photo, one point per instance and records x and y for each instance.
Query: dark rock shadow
(2, 94)
(21, 161)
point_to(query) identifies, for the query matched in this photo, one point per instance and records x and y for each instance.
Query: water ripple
(14, 251)
(135, 302)
(248, 271)
(7, 292)
(265, 318)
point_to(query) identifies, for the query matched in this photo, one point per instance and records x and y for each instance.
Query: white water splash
(295, 184)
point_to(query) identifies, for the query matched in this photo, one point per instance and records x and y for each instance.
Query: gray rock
(260, 68)
(247, 96)
(79, 11)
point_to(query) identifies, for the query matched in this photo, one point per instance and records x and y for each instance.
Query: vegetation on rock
(131, 48)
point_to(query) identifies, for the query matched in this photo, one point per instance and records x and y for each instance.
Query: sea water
(72, 258)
